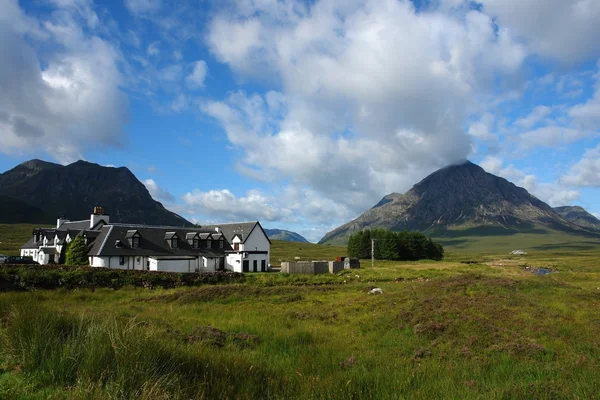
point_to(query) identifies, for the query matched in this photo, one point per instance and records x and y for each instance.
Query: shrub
(29, 277)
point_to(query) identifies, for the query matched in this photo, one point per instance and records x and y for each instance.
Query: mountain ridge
(288, 236)
(579, 216)
(458, 196)
(73, 190)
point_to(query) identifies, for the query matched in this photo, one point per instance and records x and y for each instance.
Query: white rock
(376, 291)
(357, 276)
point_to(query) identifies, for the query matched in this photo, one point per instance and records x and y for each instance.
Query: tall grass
(121, 359)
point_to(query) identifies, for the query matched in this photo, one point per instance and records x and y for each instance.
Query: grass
(478, 325)
(13, 236)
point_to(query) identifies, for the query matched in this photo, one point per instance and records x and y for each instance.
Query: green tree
(76, 253)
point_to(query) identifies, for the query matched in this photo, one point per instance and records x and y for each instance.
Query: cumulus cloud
(225, 206)
(306, 211)
(554, 28)
(157, 192)
(374, 94)
(586, 172)
(70, 105)
(554, 193)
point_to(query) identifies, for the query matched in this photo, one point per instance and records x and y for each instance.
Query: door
(263, 265)
(246, 266)
(255, 265)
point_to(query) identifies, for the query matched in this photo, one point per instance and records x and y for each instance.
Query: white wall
(173, 265)
(232, 264)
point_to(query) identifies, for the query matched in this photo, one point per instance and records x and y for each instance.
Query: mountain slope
(14, 211)
(579, 217)
(459, 196)
(74, 190)
(288, 236)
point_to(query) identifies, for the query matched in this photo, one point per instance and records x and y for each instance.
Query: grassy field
(475, 326)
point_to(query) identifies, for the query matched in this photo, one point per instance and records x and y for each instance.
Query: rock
(376, 291)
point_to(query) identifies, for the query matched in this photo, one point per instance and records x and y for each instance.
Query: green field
(479, 325)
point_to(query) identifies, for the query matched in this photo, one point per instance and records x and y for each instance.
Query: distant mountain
(579, 217)
(74, 190)
(459, 197)
(288, 236)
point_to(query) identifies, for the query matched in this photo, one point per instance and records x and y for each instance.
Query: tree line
(398, 246)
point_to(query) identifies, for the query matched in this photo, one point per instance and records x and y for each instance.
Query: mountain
(16, 211)
(75, 189)
(459, 197)
(579, 217)
(288, 236)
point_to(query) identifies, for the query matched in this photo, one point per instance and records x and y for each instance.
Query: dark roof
(31, 244)
(153, 242)
(241, 229)
(75, 225)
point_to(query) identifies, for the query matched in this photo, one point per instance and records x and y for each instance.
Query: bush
(29, 277)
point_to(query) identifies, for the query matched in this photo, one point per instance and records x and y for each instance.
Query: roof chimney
(97, 216)
(217, 229)
(60, 221)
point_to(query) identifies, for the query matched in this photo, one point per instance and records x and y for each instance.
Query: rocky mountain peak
(460, 195)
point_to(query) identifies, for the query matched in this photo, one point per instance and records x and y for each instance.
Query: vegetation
(76, 252)
(398, 246)
(479, 327)
(476, 325)
(33, 277)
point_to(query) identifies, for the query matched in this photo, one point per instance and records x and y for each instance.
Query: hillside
(461, 198)
(579, 217)
(289, 236)
(73, 191)
(16, 211)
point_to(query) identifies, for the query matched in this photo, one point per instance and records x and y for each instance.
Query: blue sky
(304, 114)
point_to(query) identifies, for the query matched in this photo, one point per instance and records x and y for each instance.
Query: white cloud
(71, 105)
(550, 136)
(143, 6)
(196, 78)
(554, 28)
(374, 95)
(225, 206)
(538, 114)
(157, 192)
(586, 172)
(554, 193)
(491, 164)
(483, 128)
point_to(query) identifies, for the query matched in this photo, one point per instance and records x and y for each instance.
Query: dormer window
(196, 243)
(172, 239)
(208, 243)
(133, 237)
(221, 243)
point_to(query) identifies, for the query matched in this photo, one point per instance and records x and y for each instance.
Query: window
(174, 243)
(196, 243)
(236, 246)
(208, 244)
(221, 244)
(121, 260)
(135, 243)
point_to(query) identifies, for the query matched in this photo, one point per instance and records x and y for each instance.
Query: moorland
(481, 324)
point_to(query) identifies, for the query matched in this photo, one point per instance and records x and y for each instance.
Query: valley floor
(469, 327)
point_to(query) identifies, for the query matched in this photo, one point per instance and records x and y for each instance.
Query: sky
(304, 114)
